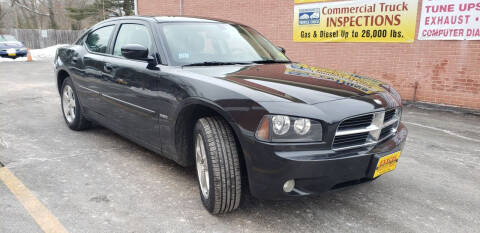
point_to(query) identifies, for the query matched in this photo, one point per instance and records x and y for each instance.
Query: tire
(74, 119)
(214, 137)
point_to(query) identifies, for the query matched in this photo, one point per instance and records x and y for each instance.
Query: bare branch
(112, 11)
(16, 2)
(43, 3)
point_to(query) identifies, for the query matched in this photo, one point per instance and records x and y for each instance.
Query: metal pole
(103, 9)
(136, 7)
(181, 7)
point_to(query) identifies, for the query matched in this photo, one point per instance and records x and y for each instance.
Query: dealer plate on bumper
(12, 52)
(386, 164)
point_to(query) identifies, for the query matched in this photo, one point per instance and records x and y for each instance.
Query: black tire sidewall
(76, 121)
(208, 202)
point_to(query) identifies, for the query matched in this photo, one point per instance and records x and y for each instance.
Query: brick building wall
(446, 72)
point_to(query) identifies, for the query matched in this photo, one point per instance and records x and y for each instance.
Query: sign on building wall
(309, 1)
(450, 20)
(356, 21)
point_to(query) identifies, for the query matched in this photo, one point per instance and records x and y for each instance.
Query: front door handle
(108, 67)
(74, 60)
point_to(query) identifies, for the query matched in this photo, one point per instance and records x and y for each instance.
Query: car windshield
(4, 38)
(217, 44)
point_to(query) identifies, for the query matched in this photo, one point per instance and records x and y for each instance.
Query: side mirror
(138, 52)
(281, 49)
(135, 52)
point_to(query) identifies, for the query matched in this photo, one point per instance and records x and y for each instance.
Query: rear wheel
(72, 112)
(218, 166)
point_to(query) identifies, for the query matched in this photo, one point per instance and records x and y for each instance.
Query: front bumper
(314, 171)
(17, 54)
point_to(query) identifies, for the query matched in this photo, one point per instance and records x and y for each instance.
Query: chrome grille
(357, 122)
(365, 130)
(348, 140)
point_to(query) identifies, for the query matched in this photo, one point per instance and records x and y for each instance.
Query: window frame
(154, 50)
(108, 51)
(159, 49)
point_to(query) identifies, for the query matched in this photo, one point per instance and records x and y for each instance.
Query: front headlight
(280, 128)
(22, 49)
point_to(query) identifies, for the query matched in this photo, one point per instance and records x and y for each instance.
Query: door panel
(133, 107)
(90, 66)
(88, 84)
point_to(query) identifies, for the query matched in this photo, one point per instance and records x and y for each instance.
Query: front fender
(242, 115)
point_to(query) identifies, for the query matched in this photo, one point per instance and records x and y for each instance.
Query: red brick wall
(447, 72)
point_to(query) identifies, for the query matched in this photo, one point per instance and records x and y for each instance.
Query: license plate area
(386, 164)
(11, 52)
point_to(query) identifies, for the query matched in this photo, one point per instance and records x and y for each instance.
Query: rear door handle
(108, 67)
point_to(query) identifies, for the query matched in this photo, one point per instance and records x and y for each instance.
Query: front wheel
(218, 166)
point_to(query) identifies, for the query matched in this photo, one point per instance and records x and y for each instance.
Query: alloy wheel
(202, 166)
(68, 104)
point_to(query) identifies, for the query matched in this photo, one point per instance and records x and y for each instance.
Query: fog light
(288, 186)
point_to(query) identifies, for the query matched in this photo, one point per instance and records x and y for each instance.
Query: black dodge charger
(219, 96)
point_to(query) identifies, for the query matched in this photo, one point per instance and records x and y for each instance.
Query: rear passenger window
(132, 34)
(97, 41)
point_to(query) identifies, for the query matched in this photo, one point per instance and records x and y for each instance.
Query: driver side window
(97, 41)
(132, 34)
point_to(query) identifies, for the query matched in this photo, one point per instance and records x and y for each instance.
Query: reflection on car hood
(11, 44)
(296, 82)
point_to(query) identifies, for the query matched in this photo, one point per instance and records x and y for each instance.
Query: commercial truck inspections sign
(356, 21)
(450, 20)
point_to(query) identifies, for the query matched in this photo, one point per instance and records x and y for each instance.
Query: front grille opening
(356, 122)
(389, 115)
(386, 131)
(350, 140)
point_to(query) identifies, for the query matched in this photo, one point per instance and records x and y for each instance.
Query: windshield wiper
(270, 61)
(216, 63)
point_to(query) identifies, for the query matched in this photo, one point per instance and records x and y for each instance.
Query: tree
(129, 7)
(51, 14)
(80, 14)
(3, 13)
(101, 9)
(31, 6)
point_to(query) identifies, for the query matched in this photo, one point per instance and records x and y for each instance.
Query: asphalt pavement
(97, 181)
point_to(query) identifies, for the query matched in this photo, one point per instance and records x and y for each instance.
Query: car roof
(169, 19)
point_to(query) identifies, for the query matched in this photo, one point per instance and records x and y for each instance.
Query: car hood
(295, 82)
(11, 44)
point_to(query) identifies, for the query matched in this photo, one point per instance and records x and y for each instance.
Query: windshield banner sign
(356, 21)
(450, 20)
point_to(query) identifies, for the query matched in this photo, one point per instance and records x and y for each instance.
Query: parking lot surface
(96, 181)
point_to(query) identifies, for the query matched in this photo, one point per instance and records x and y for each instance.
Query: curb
(441, 107)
